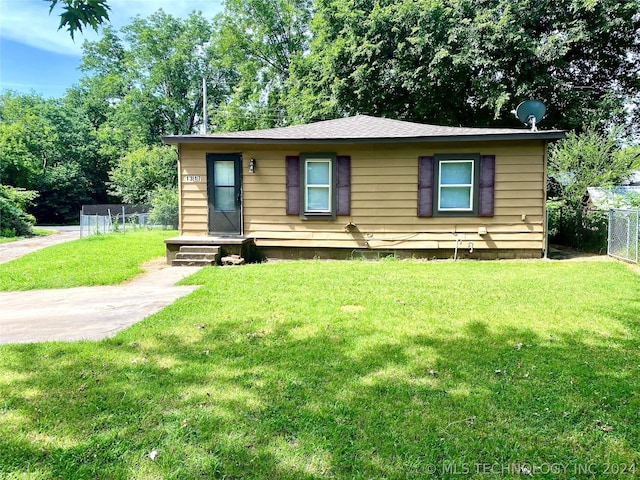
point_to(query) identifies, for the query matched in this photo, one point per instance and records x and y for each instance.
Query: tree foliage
(589, 159)
(260, 39)
(63, 189)
(470, 62)
(78, 14)
(164, 207)
(14, 219)
(50, 146)
(137, 175)
(278, 62)
(152, 70)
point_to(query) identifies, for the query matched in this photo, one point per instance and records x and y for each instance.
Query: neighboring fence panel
(95, 225)
(97, 219)
(623, 234)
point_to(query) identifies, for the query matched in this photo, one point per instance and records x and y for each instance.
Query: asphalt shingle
(362, 128)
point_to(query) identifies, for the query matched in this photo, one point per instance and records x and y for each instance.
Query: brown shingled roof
(364, 128)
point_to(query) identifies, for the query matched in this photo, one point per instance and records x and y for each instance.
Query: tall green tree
(470, 62)
(260, 39)
(152, 71)
(149, 176)
(50, 146)
(28, 139)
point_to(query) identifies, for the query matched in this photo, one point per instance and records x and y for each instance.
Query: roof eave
(203, 139)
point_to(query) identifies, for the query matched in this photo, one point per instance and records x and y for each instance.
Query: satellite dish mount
(531, 113)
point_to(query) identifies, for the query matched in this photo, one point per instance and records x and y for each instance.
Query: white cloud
(29, 22)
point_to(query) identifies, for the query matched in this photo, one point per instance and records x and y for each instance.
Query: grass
(42, 232)
(310, 370)
(37, 232)
(95, 260)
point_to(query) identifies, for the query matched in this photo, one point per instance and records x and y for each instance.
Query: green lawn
(95, 260)
(363, 370)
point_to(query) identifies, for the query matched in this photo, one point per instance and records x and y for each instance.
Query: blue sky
(36, 56)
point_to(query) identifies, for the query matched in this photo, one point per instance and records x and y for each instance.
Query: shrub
(138, 174)
(577, 228)
(14, 220)
(164, 207)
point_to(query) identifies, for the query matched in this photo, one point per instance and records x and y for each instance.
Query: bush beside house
(14, 220)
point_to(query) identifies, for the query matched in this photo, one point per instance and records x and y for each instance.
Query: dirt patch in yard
(566, 254)
(150, 266)
(563, 253)
(155, 264)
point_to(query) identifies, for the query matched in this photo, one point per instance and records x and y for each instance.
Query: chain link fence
(623, 234)
(100, 219)
(95, 225)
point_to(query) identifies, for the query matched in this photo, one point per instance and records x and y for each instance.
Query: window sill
(318, 216)
(455, 213)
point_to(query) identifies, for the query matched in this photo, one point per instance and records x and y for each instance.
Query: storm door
(224, 189)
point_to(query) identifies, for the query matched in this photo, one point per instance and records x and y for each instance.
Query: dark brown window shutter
(425, 186)
(293, 185)
(487, 184)
(343, 198)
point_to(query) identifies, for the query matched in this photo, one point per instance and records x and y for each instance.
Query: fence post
(610, 227)
(124, 222)
(637, 214)
(629, 247)
(110, 221)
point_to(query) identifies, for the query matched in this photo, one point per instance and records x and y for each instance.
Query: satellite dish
(531, 113)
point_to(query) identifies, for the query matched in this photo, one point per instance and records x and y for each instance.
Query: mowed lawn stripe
(390, 369)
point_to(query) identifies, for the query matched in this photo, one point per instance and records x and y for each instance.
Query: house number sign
(192, 178)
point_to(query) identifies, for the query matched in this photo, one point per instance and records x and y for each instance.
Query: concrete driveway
(91, 313)
(12, 250)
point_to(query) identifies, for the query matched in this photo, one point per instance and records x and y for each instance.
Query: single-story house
(365, 186)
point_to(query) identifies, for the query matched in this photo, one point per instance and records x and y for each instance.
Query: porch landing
(232, 245)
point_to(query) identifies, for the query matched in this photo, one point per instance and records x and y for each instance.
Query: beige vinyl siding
(383, 198)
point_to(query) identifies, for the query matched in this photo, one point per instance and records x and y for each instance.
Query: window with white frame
(456, 185)
(318, 190)
(318, 185)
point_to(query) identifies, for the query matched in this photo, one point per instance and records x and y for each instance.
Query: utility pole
(205, 119)
(200, 54)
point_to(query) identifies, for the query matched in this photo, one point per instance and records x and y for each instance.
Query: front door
(224, 189)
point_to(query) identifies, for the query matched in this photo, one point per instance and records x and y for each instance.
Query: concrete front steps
(229, 246)
(196, 256)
